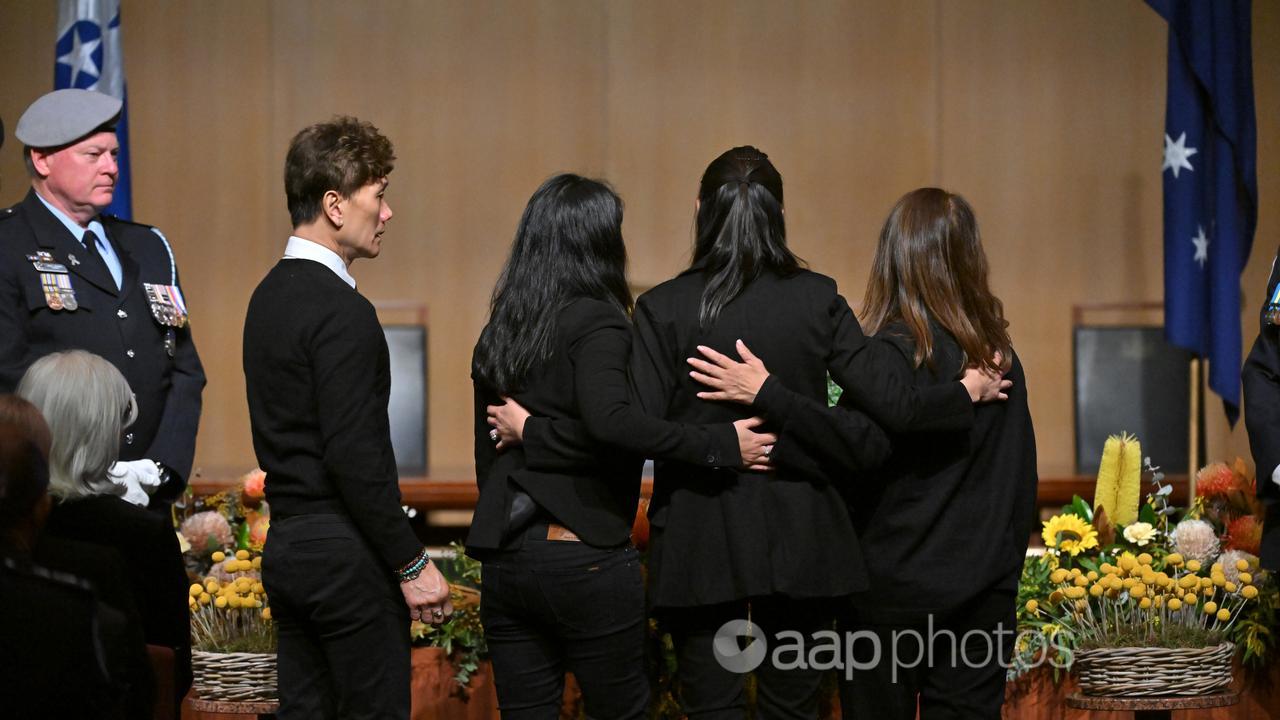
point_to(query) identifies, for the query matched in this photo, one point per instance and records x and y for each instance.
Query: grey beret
(64, 116)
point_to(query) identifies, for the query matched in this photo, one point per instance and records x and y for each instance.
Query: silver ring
(493, 435)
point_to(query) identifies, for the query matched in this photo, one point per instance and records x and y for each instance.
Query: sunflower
(1069, 534)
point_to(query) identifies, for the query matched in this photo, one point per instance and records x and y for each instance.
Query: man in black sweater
(341, 562)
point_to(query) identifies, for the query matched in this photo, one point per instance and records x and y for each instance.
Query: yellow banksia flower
(1119, 479)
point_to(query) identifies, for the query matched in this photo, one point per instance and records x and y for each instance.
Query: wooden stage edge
(429, 493)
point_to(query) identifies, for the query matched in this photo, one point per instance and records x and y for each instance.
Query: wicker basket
(234, 676)
(1150, 671)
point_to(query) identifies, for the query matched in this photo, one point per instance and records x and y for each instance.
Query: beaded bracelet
(410, 572)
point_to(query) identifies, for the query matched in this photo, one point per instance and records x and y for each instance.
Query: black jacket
(1261, 377)
(153, 567)
(722, 535)
(582, 399)
(116, 324)
(318, 377)
(949, 515)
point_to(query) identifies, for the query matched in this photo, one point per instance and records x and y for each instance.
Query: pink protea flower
(1214, 480)
(207, 531)
(1244, 533)
(1195, 539)
(254, 483)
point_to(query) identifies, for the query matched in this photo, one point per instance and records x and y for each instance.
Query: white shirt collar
(72, 226)
(304, 249)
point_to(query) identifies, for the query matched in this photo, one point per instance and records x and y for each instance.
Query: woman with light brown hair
(943, 525)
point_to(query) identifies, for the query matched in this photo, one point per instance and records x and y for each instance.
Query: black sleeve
(1261, 378)
(876, 381)
(814, 438)
(560, 444)
(14, 319)
(348, 363)
(172, 625)
(600, 352)
(175, 440)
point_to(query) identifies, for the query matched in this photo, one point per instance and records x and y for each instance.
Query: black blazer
(1261, 378)
(583, 384)
(726, 534)
(948, 517)
(116, 324)
(153, 567)
(318, 377)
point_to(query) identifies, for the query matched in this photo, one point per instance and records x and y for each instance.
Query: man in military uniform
(1261, 377)
(71, 277)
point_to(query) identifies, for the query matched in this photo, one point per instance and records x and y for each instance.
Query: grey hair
(88, 404)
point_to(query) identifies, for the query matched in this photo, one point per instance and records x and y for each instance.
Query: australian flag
(1210, 182)
(89, 57)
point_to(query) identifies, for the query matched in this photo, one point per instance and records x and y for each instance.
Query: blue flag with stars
(88, 56)
(1210, 182)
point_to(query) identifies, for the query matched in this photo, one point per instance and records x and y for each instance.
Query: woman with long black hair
(776, 549)
(944, 524)
(561, 581)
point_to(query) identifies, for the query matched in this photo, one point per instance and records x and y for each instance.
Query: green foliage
(1255, 631)
(461, 636)
(1079, 508)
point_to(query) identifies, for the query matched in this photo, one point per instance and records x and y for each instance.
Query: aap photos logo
(737, 656)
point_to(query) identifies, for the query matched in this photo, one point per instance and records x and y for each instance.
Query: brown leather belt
(562, 533)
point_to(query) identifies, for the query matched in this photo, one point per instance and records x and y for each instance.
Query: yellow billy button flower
(1224, 615)
(242, 554)
(257, 563)
(1210, 607)
(1242, 565)
(1193, 565)
(1144, 559)
(1059, 575)
(1186, 582)
(231, 565)
(1055, 596)
(196, 589)
(205, 598)
(1229, 587)
(220, 602)
(191, 601)
(1128, 562)
(1032, 606)
(1245, 577)
(1138, 590)
(211, 585)
(1093, 575)
(1173, 559)
(1219, 579)
(1175, 604)
(266, 613)
(1249, 592)
(1096, 591)
(258, 589)
(1129, 583)
(1080, 581)
(1074, 592)
(1145, 603)
(1081, 605)
(218, 556)
(1215, 568)
(1206, 583)
(1108, 568)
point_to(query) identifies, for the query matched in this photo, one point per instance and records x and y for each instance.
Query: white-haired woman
(88, 404)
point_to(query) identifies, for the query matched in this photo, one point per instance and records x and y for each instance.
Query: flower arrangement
(461, 636)
(236, 518)
(230, 613)
(1129, 572)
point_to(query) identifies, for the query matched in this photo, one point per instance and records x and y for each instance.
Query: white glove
(137, 477)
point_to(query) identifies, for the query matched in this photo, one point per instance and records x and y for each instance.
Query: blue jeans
(553, 606)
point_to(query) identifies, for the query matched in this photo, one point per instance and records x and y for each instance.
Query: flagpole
(1195, 422)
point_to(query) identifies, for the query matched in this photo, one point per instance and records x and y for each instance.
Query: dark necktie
(94, 258)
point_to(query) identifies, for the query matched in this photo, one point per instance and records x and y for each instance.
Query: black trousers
(551, 606)
(341, 620)
(710, 691)
(950, 664)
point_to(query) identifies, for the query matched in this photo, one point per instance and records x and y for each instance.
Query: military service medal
(167, 305)
(1272, 311)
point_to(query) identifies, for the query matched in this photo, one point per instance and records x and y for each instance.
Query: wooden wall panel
(1047, 116)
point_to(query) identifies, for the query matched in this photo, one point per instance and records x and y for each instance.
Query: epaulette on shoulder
(122, 221)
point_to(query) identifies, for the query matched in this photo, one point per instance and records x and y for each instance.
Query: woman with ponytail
(776, 549)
